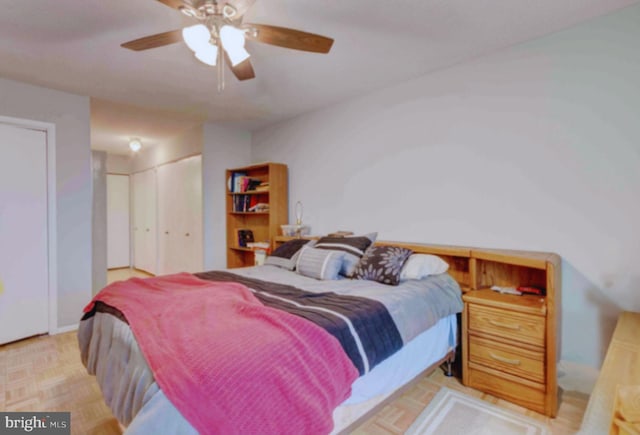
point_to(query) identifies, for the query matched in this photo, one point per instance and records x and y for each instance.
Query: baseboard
(577, 377)
(67, 328)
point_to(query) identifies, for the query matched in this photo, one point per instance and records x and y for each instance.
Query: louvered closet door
(145, 231)
(180, 216)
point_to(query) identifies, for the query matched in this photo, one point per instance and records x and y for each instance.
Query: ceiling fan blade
(175, 4)
(243, 70)
(290, 38)
(154, 41)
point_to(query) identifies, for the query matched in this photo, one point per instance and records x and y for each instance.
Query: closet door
(192, 222)
(23, 233)
(118, 245)
(180, 216)
(145, 230)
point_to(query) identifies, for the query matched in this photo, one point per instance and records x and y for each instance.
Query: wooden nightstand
(509, 342)
(506, 346)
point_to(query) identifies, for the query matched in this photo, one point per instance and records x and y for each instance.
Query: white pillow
(419, 266)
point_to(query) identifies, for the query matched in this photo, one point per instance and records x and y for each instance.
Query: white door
(118, 221)
(23, 233)
(180, 216)
(169, 249)
(192, 231)
(144, 221)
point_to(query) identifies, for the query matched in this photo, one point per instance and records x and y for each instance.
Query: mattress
(425, 319)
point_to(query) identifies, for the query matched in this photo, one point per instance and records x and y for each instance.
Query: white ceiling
(74, 45)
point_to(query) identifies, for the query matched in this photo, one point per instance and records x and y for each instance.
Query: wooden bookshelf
(265, 225)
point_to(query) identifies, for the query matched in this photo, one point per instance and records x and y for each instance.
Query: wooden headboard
(478, 269)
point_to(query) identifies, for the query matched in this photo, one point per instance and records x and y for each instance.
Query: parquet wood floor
(45, 374)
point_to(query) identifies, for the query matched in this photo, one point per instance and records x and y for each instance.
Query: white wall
(70, 114)
(183, 145)
(536, 147)
(118, 164)
(223, 148)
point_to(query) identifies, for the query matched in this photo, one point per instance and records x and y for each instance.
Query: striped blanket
(363, 326)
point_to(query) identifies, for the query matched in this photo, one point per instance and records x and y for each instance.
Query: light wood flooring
(125, 273)
(45, 374)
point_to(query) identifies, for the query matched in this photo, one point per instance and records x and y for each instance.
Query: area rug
(451, 412)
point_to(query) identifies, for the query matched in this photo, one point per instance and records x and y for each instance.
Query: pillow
(419, 266)
(286, 255)
(353, 247)
(319, 263)
(382, 264)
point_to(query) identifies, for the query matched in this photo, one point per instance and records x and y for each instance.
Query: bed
(422, 312)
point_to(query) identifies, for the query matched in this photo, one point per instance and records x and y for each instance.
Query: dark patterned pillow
(382, 264)
(286, 255)
(354, 248)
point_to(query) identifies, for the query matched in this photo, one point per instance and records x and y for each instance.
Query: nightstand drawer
(509, 324)
(520, 362)
(525, 393)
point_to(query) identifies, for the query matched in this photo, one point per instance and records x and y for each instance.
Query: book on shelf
(245, 236)
(259, 207)
(259, 245)
(247, 203)
(233, 183)
(262, 187)
(239, 182)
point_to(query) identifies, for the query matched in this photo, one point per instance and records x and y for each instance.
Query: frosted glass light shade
(135, 145)
(196, 37)
(233, 42)
(208, 54)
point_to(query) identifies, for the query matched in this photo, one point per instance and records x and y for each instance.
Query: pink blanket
(229, 364)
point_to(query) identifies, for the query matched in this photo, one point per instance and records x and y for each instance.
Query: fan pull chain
(220, 67)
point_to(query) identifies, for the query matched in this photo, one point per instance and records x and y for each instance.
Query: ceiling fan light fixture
(196, 37)
(189, 12)
(207, 54)
(237, 55)
(229, 11)
(233, 40)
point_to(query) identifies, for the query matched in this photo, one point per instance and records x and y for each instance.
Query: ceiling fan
(220, 35)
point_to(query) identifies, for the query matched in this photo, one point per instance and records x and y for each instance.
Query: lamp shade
(208, 54)
(196, 37)
(233, 42)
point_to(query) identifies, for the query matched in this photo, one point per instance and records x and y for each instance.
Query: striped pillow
(286, 255)
(318, 263)
(353, 247)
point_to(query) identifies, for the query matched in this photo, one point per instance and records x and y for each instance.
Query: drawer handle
(513, 362)
(504, 325)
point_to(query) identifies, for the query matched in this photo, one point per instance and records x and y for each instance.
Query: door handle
(187, 234)
(166, 232)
